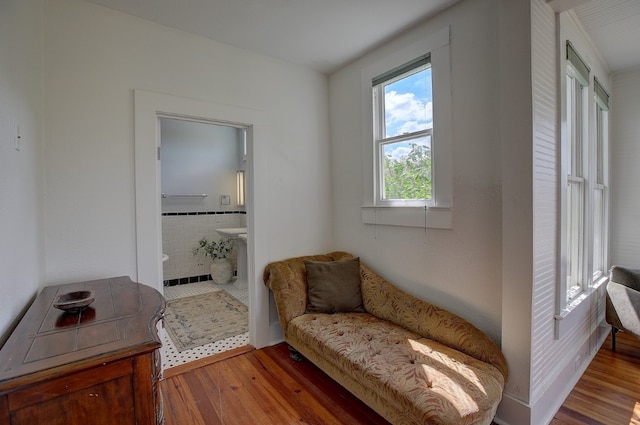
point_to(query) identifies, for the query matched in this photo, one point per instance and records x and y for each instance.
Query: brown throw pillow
(334, 286)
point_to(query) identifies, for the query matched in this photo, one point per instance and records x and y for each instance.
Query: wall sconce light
(240, 187)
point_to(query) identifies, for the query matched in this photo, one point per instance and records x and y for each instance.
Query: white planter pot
(221, 271)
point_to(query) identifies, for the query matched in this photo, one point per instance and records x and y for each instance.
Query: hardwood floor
(266, 387)
(609, 391)
(261, 387)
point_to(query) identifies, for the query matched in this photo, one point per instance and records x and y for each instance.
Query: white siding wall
(556, 363)
(545, 169)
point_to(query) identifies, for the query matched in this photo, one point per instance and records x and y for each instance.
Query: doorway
(202, 198)
(149, 106)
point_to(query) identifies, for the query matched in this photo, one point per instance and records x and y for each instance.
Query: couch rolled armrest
(386, 301)
(287, 279)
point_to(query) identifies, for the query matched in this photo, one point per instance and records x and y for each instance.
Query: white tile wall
(180, 235)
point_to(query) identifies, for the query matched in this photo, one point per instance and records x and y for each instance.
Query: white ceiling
(614, 27)
(320, 34)
(327, 34)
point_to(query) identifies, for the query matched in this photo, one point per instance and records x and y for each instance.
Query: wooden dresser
(99, 366)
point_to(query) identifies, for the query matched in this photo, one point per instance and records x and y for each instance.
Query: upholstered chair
(623, 302)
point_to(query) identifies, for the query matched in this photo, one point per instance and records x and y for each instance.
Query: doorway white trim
(149, 107)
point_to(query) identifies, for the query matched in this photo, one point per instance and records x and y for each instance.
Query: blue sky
(408, 108)
(408, 104)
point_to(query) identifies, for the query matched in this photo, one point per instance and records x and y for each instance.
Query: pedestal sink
(239, 237)
(232, 232)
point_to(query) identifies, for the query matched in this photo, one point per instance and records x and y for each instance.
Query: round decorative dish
(74, 302)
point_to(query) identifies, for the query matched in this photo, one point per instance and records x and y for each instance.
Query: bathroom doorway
(148, 108)
(203, 199)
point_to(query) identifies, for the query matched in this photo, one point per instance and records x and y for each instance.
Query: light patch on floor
(170, 355)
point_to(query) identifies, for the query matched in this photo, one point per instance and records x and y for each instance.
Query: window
(576, 178)
(600, 229)
(402, 133)
(584, 200)
(407, 149)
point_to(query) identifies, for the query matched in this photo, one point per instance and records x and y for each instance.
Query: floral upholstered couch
(409, 360)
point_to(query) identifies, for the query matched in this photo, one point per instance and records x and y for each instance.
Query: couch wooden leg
(295, 355)
(614, 331)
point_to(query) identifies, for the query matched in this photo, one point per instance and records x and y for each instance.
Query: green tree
(410, 176)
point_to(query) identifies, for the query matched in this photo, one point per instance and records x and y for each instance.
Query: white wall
(545, 365)
(21, 190)
(459, 269)
(94, 59)
(199, 158)
(516, 135)
(625, 173)
(497, 266)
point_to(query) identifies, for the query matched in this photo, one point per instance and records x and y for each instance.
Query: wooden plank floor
(266, 387)
(261, 387)
(609, 391)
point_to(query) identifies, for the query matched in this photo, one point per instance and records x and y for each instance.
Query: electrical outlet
(225, 199)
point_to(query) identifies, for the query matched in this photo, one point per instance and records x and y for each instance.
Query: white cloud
(404, 113)
(400, 154)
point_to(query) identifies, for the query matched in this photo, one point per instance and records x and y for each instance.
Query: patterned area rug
(202, 319)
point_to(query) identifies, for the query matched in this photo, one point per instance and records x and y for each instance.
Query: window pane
(578, 138)
(598, 231)
(408, 104)
(406, 168)
(575, 214)
(601, 137)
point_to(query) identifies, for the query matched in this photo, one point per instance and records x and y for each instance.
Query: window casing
(425, 210)
(583, 192)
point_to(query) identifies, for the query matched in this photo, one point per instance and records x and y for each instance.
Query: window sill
(568, 317)
(423, 217)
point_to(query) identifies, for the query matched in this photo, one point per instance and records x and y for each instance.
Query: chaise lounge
(409, 360)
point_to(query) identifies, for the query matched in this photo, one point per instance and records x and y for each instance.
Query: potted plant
(219, 251)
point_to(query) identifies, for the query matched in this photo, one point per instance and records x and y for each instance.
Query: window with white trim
(584, 198)
(600, 201)
(402, 134)
(577, 137)
(408, 136)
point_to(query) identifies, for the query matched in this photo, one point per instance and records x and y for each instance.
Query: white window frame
(437, 213)
(601, 183)
(584, 169)
(577, 180)
(380, 140)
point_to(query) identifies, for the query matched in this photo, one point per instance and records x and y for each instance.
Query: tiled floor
(170, 355)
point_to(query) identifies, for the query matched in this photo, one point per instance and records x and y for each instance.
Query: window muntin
(403, 134)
